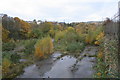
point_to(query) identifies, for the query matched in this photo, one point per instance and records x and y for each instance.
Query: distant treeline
(16, 28)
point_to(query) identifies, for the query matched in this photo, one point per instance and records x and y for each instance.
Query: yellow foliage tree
(38, 52)
(70, 29)
(90, 37)
(5, 66)
(43, 47)
(99, 38)
(60, 35)
(25, 28)
(92, 33)
(52, 33)
(5, 34)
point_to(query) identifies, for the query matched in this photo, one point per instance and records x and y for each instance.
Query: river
(65, 67)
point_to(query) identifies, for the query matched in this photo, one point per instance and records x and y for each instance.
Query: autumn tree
(17, 27)
(5, 35)
(43, 47)
(46, 26)
(23, 26)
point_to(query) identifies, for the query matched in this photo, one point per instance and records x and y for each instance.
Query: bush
(70, 29)
(46, 26)
(75, 47)
(71, 37)
(29, 46)
(90, 37)
(11, 70)
(8, 46)
(68, 39)
(6, 54)
(43, 47)
(81, 37)
(59, 35)
(36, 33)
(5, 66)
(92, 32)
(52, 33)
(5, 35)
(13, 57)
(99, 38)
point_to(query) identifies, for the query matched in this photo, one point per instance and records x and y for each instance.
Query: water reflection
(65, 67)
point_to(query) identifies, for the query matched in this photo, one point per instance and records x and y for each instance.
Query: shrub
(6, 54)
(8, 46)
(99, 38)
(13, 57)
(81, 37)
(29, 46)
(5, 66)
(70, 29)
(91, 36)
(58, 27)
(70, 37)
(11, 70)
(36, 33)
(5, 35)
(75, 47)
(59, 35)
(52, 33)
(43, 47)
(46, 26)
(92, 32)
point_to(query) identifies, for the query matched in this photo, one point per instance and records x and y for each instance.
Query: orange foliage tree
(23, 26)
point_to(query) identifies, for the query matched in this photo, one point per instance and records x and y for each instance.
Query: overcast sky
(60, 10)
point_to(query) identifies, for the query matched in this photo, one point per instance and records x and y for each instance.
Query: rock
(22, 60)
(18, 49)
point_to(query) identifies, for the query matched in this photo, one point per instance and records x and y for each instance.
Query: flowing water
(63, 67)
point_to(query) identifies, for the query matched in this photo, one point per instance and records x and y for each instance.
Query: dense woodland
(37, 40)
